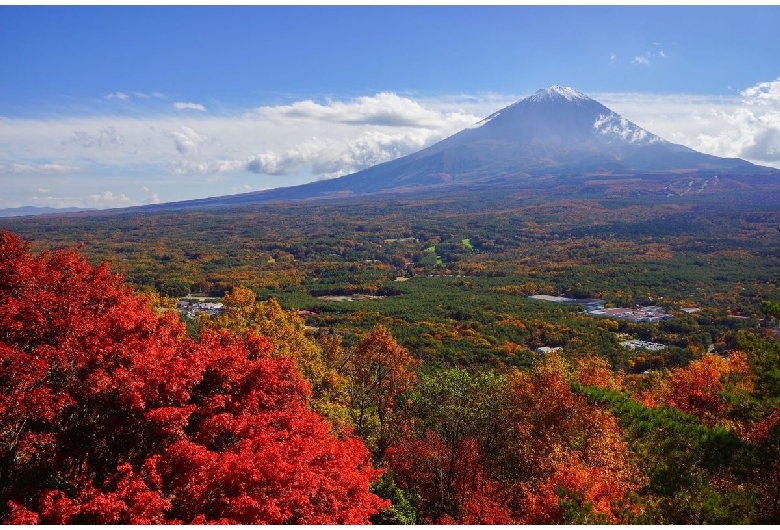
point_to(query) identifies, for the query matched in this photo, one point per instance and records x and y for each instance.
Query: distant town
(595, 308)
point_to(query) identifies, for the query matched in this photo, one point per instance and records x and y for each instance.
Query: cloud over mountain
(763, 93)
(329, 158)
(384, 109)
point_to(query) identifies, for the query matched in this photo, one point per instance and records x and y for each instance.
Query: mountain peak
(556, 92)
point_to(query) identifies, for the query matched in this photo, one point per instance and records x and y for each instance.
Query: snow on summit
(556, 92)
(550, 94)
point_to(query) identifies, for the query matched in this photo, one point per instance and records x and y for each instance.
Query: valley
(462, 305)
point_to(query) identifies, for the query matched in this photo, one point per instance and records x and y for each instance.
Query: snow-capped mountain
(560, 116)
(564, 108)
(556, 133)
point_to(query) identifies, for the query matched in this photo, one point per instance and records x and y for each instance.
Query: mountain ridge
(22, 211)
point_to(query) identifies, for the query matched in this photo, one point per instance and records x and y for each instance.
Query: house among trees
(191, 309)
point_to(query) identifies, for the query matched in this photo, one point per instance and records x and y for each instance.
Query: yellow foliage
(287, 332)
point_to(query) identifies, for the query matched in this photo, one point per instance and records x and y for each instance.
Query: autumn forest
(379, 360)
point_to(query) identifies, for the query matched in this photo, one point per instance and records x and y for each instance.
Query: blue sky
(114, 106)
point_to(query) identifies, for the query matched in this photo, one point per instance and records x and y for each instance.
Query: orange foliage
(379, 371)
(595, 371)
(698, 388)
(564, 440)
(586, 486)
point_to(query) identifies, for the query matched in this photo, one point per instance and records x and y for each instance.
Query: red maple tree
(110, 414)
(452, 485)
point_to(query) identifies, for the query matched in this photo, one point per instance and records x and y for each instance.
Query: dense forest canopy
(469, 260)
(377, 362)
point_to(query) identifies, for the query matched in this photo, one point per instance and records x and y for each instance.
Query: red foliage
(110, 414)
(452, 484)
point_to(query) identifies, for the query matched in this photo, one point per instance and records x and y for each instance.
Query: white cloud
(187, 139)
(45, 197)
(116, 95)
(766, 145)
(325, 140)
(763, 93)
(384, 109)
(201, 167)
(189, 167)
(226, 166)
(271, 163)
(645, 59)
(329, 158)
(30, 169)
(189, 106)
(108, 199)
(312, 136)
